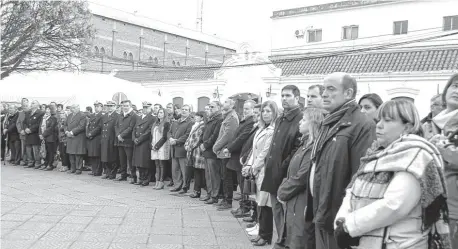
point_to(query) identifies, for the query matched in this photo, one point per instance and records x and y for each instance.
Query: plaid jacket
(194, 154)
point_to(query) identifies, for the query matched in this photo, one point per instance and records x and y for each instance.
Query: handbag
(434, 239)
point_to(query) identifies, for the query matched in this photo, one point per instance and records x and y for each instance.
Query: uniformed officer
(123, 129)
(109, 152)
(141, 155)
(94, 135)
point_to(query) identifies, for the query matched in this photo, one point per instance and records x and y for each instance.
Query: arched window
(102, 51)
(131, 57)
(125, 55)
(155, 60)
(202, 102)
(178, 101)
(96, 50)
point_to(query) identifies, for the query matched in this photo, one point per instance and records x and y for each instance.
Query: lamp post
(269, 91)
(216, 93)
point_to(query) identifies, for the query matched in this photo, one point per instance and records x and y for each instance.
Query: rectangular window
(450, 23)
(350, 32)
(400, 27)
(314, 35)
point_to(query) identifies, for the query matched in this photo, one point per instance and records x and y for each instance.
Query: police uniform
(141, 154)
(94, 135)
(108, 150)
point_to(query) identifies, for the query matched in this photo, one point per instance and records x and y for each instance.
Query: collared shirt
(126, 113)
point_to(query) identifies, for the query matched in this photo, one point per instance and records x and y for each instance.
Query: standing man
(108, 150)
(179, 132)
(285, 142)
(31, 126)
(123, 129)
(94, 136)
(76, 139)
(213, 164)
(20, 127)
(11, 131)
(345, 136)
(226, 135)
(142, 153)
(314, 96)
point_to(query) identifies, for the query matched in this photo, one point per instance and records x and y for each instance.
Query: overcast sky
(235, 20)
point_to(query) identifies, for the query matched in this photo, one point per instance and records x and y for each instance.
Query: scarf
(328, 123)
(43, 122)
(443, 117)
(414, 154)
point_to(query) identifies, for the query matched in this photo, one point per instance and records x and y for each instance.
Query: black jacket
(12, 132)
(337, 161)
(248, 145)
(242, 133)
(210, 134)
(285, 141)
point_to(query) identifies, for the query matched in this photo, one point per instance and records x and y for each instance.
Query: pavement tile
(88, 213)
(11, 224)
(36, 226)
(61, 236)
(127, 246)
(165, 239)
(142, 210)
(140, 215)
(228, 231)
(77, 220)
(131, 238)
(68, 227)
(101, 228)
(133, 229)
(166, 230)
(233, 224)
(16, 244)
(97, 237)
(46, 218)
(167, 223)
(163, 246)
(107, 220)
(91, 245)
(233, 240)
(137, 221)
(198, 231)
(24, 235)
(51, 244)
(199, 240)
(16, 217)
(197, 223)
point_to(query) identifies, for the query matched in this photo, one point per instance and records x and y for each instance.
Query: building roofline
(334, 6)
(144, 22)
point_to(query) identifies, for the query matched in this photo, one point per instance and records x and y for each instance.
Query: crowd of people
(335, 174)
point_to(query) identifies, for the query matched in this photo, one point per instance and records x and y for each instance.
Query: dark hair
(447, 86)
(25, 99)
(89, 109)
(374, 98)
(320, 88)
(201, 114)
(293, 88)
(176, 106)
(258, 106)
(165, 119)
(61, 106)
(53, 103)
(160, 106)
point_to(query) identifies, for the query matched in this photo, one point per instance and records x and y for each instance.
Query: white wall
(372, 20)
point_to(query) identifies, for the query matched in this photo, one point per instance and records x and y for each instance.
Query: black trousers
(50, 153)
(76, 162)
(63, 155)
(111, 168)
(266, 224)
(228, 184)
(3, 146)
(96, 166)
(199, 179)
(125, 160)
(151, 174)
(15, 147)
(160, 170)
(143, 175)
(189, 173)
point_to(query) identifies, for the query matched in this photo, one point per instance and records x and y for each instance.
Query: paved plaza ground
(50, 210)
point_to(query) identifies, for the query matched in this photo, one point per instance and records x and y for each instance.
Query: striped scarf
(328, 123)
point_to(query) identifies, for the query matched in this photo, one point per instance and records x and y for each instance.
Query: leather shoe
(261, 242)
(183, 191)
(78, 172)
(195, 195)
(211, 201)
(248, 219)
(175, 190)
(255, 239)
(205, 198)
(104, 177)
(90, 173)
(121, 179)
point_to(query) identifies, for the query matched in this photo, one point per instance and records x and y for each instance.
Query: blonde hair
(403, 110)
(273, 106)
(315, 116)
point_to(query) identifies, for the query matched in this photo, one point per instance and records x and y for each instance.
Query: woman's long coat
(142, 132)
(261, 147)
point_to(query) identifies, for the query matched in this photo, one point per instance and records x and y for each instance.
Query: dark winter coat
(51, 133)
(337, 162)
(285, 142)
(76, 123)
(33, 123)
(12, 131)
(293, 191)
(94, 135)
(124, 127)
(142, 133)
(241, 135)
(20, 123)
(180, 131)
(210, 134)
(108, 150)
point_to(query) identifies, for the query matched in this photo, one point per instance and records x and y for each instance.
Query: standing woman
(445, 126)
(49, 133)
(194, 153)
(295, 187)
(369, 104)
(261, 147)
(160, 145)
